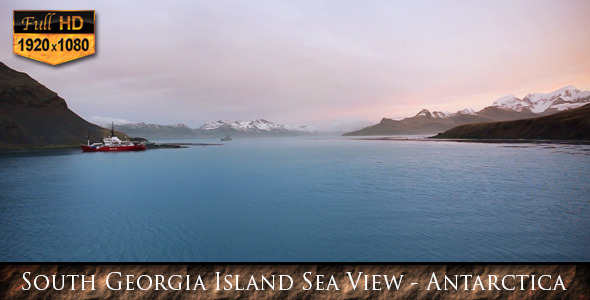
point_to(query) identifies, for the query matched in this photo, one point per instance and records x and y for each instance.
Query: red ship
(112, 144)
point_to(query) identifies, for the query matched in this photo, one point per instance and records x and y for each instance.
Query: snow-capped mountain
(561, 99)
(245, 126)
(259, 127)
(424, 113)
(255, 127)
(466, 111)
(537, 103)
(443, 115)
(505, 108)
(440, 114)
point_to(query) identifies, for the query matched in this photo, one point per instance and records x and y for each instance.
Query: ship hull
(113, 148)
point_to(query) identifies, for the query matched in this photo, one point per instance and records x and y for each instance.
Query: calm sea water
(299, 199)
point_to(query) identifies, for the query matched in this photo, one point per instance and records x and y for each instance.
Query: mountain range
(219, 128)
(559, 100)
(503, 109)
(245, 128)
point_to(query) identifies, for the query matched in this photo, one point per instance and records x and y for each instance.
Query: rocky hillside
(573, 124)
(31, 115)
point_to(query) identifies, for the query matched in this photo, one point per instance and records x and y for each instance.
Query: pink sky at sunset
(318, 63)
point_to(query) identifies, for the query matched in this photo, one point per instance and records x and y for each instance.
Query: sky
(331, 65)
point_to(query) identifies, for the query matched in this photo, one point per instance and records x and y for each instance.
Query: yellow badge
(55, 36)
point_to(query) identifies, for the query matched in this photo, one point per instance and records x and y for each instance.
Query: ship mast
(112, 129)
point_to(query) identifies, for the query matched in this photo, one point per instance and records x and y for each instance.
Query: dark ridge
(573, 124)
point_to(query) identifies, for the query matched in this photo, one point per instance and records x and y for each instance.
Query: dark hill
(573, 124)
(32, 116)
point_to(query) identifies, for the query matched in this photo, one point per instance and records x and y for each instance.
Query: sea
(299, 199)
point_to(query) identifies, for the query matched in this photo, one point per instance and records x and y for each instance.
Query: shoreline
(9, 148)
(467, 140)
(180, 145)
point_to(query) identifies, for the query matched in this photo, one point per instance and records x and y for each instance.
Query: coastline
(8, 148)
(471, 140)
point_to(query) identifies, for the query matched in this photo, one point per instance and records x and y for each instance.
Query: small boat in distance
(227, 138)
(112, 144)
